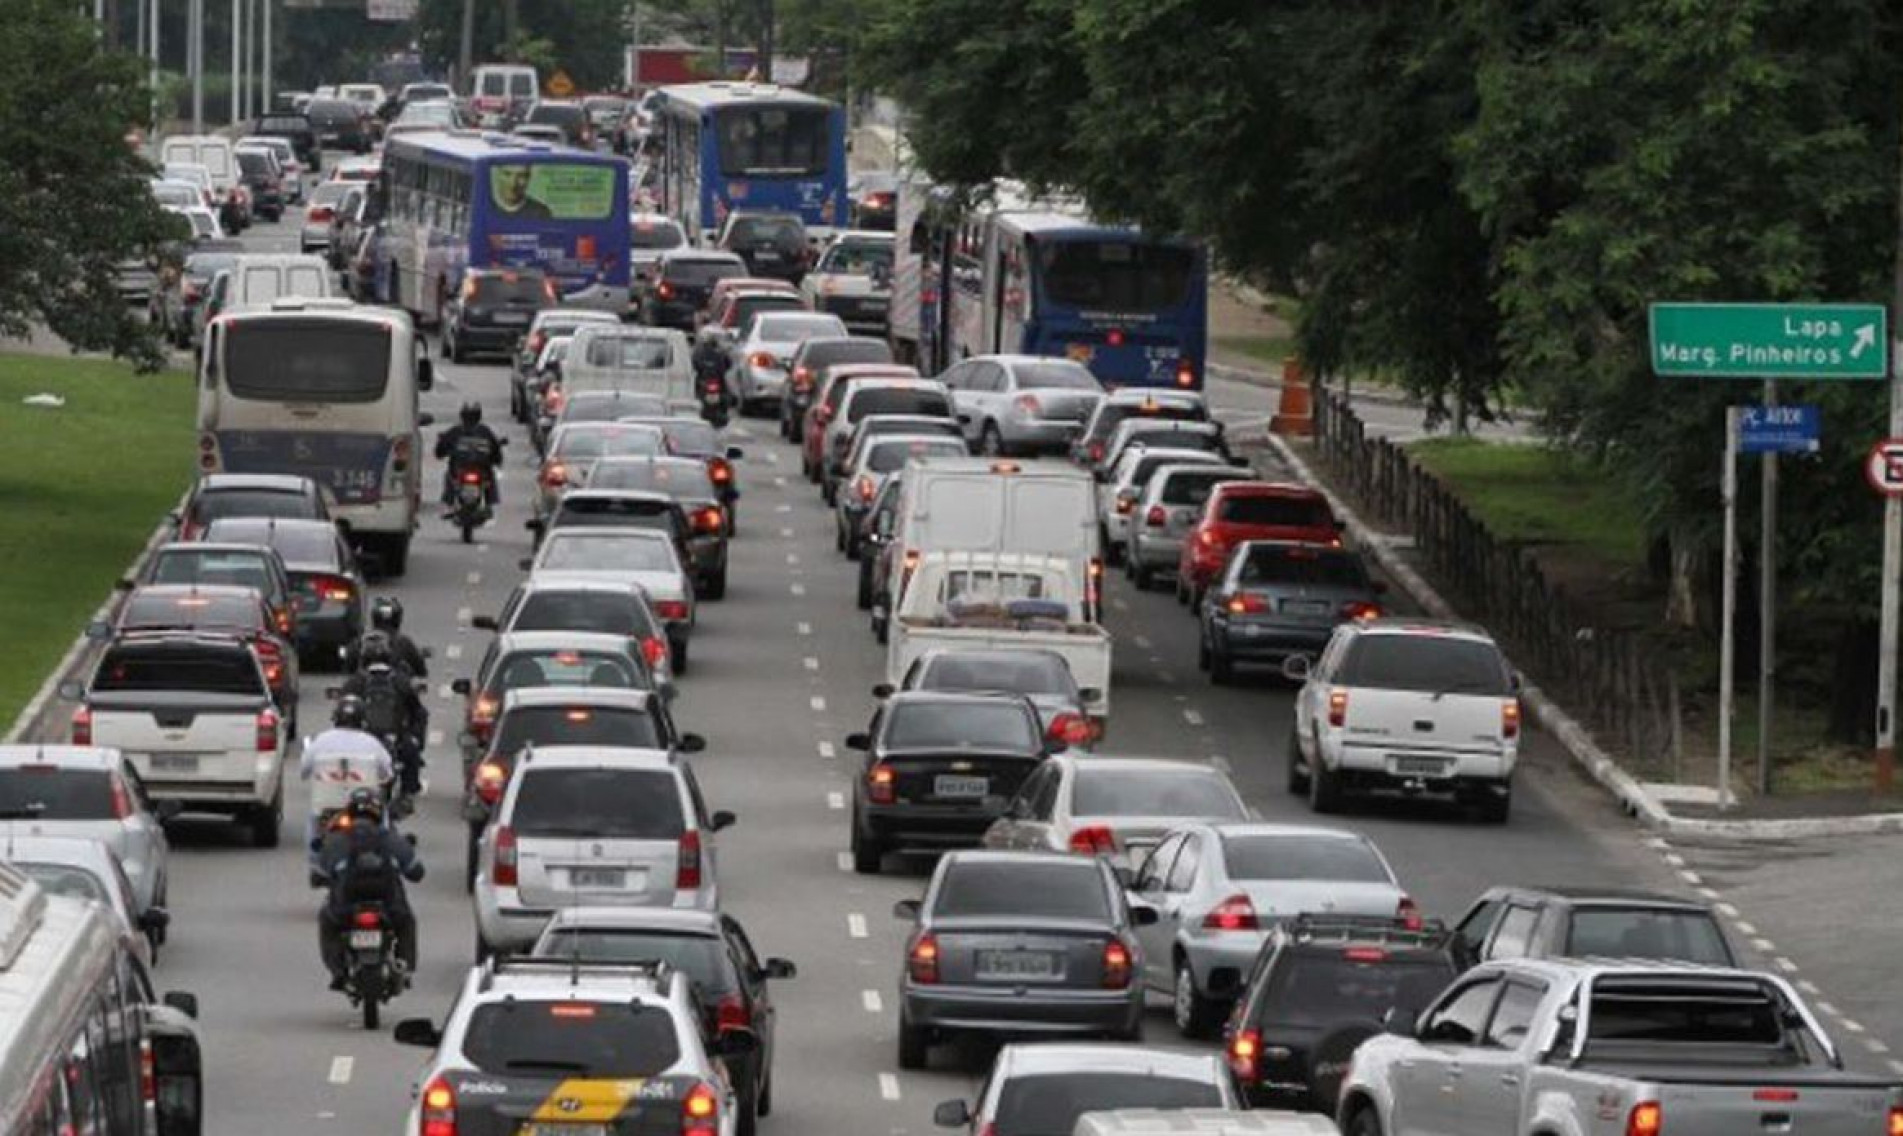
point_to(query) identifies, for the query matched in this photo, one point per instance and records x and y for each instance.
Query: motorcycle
(373, 974)
(713, 402)
(471, 508)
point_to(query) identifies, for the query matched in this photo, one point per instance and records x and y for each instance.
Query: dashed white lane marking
(792, 558)
(1729, 911)
(1142, 641)
(1785, 965)
(797, 589)
(811, 662)
(836, 800)
(340, 1069)
(782, 508)
(826, 750)
(1875, 1046)
(772, 458)
(1827, 1008)
(1708, 892)
(872, 1002)
(1765, 945)
(1896, 1067)
(1191, 716)
(1117, 602)
(1808, 987)
(1852, 1026)
(845, 861)
(856, 925)
(804, 628)
(1747, 928)
(787, 533)
(1692, 878)
(464, 615)
(1165, 677)
(474, 578)
(780, 482)
(435, 738)
(453, 651)
(817, 703)
(1674, 859)
(889, 1086)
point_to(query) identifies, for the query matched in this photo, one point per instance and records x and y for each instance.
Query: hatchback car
(1022, 403)
(1123, 487)
(687, 483)
(700, 538)
(834, 381)
(324, 573)
(643, 558)
(1250, 510)
(339, 124)
(295, 129)
(1164, 512)
(593, 826)
(1574, 922)
(88, 870)
(653, 235)
(1135, 433)
(1112, 807)
(89, 794)
(1046, 1088)
(1118, 406)
(598, 607)
(772, 244)
(761, 357)
(492, 310)
(320, 210)
(216, 496)
(254, 566)
(1042, 676)
(1018, 942)
(1274, 599)
(217, 608)
(873, 396)
(804, 374)
(571, 118)
(263, 178)
(678, 287)
(875, 459)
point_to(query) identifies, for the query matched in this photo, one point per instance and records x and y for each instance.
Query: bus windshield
(772, 140)
(1115, 276)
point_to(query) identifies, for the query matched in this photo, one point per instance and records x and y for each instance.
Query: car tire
(1297, 772)
(396, 556)
(991, 443)
(716, 585)
(1222, 671)
(471, 855)
(1195, 1015)
(1324, 787)
(1202, 650)
(1363, 1123)
(747, 1107)
(867, 854)
(1142, 575)
(266, 822)
(1497, 808)
(457, 353)
(763, 1103)
(915, 1046)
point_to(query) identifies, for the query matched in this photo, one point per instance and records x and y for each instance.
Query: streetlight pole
(465, 57)
(264, 101)
(237, 57)
(195, 60)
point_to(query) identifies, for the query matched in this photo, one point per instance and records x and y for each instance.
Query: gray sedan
(1279, 598)
(1022, 403)
(1019, 943)
(1221, 887)
(93, 794)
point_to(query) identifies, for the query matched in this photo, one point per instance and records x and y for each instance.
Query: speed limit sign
(1883, 469)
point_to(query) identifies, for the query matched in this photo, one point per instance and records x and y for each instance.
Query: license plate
(598, 877)
(946, 785)
(872, 305)
(175, 762)
(562, 1130)
(1305, 607)
(1017, 964)
(512, 317)
(366, 940)
(767, 255)
(1420, 766)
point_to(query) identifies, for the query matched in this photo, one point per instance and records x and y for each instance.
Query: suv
(678, 284)
(493, 309)
(598, 826)
(772, 244)
(534, 1037)
(1319, 988)
(264, 179)
(297, 130)
(1550, 922)
(1423, 706)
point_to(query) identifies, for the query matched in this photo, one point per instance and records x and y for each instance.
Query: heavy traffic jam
(553, 457)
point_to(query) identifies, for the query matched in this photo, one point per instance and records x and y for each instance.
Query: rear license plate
(562, 1130)
(1420, 766)
(512, 318)
(366, 940)
(598, 877)
(767, 255)
(1017, 964)
(175, 762)
(1305, 607)
(946, 785)
(872, 305)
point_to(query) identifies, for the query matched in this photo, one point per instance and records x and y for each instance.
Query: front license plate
(1420, 766)
(366, 940)
(175, 762)
(562, 1130)
(1017, 964)
(598, 877)
(947, 785)
(767, 255)
(512, 318)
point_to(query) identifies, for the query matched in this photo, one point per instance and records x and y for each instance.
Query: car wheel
(715, 586)
(1142, 575)
(266, 822)
(1324, 787)
(763, 1103)
(990, 442)
(1364, 1123)
(1297, 773)
(1497, 807)
(1195, 1015)
(457, 353)
(677, 657)
(747, 1106)
(472, 852)
(1222, 672)
(867, 854)
(864, 597)
(915, 1047)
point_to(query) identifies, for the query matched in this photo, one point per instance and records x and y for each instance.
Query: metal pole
(1767, 606)
(264, 102)
(195, 60)
(465, 57)
(237, 55)
(1727, 649)
(1885, 756)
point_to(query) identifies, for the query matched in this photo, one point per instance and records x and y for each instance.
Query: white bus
(84, 1046)
(327, 390)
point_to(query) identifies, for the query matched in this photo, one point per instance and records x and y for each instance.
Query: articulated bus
(751, 146)
(457, 200)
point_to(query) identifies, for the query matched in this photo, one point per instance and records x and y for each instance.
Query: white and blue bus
(457, 200)
(750, 146)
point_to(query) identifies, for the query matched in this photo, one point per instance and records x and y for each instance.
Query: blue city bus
(1041, 280)
(456, 200)
(750, 146)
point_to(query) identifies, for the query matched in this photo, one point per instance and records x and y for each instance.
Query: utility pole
(465, 61)
(159, 113)
(1767, 604)
(195, 60)
(264, 103)
(1885, 756)
(237, 57)
(765, 62)
(1727, 649)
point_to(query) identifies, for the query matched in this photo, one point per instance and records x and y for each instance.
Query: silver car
(1118, 495)
(1011, 404)
(1160, 434)
(87, 869)
(642, 557)
(763, 354)
(1046, 1088)
(1114, 807)
(1220, 887)
(93, 794)
(877, 458)
(1166, 510)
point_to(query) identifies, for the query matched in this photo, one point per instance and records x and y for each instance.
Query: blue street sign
(1778, 429)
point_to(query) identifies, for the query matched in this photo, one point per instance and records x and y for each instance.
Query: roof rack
(1312, 928)
(656, 971)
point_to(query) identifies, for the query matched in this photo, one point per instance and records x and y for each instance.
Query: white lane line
(1142, 641)
(1809, 987)
(1192, 716)
(1691, 878)
(856, 925)
(836, 800)
(792, 558)
(341, 1068)
(817, 703)
(1658, 843)
(435, 738)
(782, 508)
(1117, 602)
(1852, 1026)
(464, 615)
(889, 1086)
(1827, 1008)
(772, 458)
(453, 651)
(811, 662)
(787, 533)
(797, 589)
(779, 482)
(474, 578)
(872, 1002)
(827, 751)
(1785, 965)
(1747, 928)
(1875, 1046)
(1674, 859)
(1708, 892)
(804, 628)
(1729, 911)
(1765, 945)
(845, 861)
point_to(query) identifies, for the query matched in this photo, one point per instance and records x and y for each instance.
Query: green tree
(584, 38)
(73, 198)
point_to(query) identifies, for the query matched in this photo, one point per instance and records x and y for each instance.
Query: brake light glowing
(687, 863)
(1114, 337)
(1185, 374)
(579, 715)
(471, 477)
(1157, 517)
(1071, 729)
(761, 360)
(148, 1072)
(282, 618)
(922, 960)
(1646, 1119)
(554, 475)
(320, 213)
(671, 609)
(654, 650)
(1774, 1096)
(1116, 965)
(469, 285)
(1364, 954)
(368, 919)
(1245, 604)
(1244, 1050)
(882, 784)
(1337, 708)
(719, 471)
(489, 780)
(700, 1110)
(1510, 718)
(709, 520)
(335, 588)
(1409, 913)
(1896, 1122)
(1094, 840)
(503, 873)
(267, 731)
(1233, 914)
(82, 726)
(439, 1109)
(664, 290)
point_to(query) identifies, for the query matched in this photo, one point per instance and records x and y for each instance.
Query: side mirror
(692, 743)
(780, 968)
(168, 810)
(425, 374)
(735, 453)
(882, 691)
(1295, 668)
(952, 1114)
(460, 686)
(1143, 915)
(859, 741)
(1401, 1022)
(906, 909)
(99, 631)
(71, 691)
(418, 1031)
(735, 1044)
(154, 919)
(721, 819)
(183, 1001)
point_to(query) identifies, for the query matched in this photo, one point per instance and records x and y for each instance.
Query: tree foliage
(73, 198)
(584, 38)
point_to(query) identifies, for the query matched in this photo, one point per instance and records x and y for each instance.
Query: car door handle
(1510, 1080)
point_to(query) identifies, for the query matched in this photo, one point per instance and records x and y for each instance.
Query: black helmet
(375, 650)
(365, 804)
(349, 714)
(471, 413)
(386, 614)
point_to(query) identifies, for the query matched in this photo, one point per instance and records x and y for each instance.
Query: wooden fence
(1611, 681)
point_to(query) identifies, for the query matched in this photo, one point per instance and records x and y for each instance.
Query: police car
(553, 1047)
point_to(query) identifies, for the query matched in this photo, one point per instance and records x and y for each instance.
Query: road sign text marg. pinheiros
(1755, 355)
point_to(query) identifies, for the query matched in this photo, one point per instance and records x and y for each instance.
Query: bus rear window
(1115, 276)
(307, 360)
(773, 140)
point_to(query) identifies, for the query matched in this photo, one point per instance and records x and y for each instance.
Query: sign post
(1727, 636)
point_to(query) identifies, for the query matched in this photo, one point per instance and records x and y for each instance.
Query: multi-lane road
(782, 671)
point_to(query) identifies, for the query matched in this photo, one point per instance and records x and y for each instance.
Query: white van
(260, 280)
(327, 390)
(626, 357)
(501, 93)
(210, 151)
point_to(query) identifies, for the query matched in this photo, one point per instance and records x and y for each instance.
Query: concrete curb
(1572, 736)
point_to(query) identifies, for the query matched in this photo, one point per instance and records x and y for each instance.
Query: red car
(1250, 510)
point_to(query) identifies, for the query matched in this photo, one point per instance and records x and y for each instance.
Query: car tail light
(1360, 610)
(482, 715)
(1245, 1048)
(1774, 1096)
(82, 726)
(1896, 1122)
(439, 1109)
(503, 873)
(709, 520)
(719, 470)
(554, 475)
(1029, 406)
(1094, 451)
(687, 863)
(1093, 588)
(654, 650)
(1126, 502)
(761, 360)
(121, 800)
(882, 784)
(700, 1110)
(1242, 603)
(320, 213)
(671, 609)
(1114, 337)
(1337, 708)
(267, 731)
(281, 618)
(335, 588)
(1157, 517)
(664, 290)
(1116, 964)
(271, 657)
(1645, 1119)
(1185, 374)
(1071, 729)
(1094, 840)
(866, 489)
(1408, 913)
(148, 1073)
(922, 960)
(731, 1014)
(1365, 954)
(1233, 914)
(1510, 718)
(489, 780)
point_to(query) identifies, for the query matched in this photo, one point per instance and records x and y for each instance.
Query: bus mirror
(425, 374)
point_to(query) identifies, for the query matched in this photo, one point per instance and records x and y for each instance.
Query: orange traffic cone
(1294, 415)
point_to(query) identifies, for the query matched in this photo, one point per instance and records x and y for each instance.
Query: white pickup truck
(1562, 1047)
(195, 716)
(644, 360)
(992, 600)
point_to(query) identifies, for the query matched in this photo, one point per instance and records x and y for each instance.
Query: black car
(939, 768)
(680, 284)
(295, 129)
(1570, 922)
(772, 244)
(264, 180)
(570, 117)
(1320, 987)
(874, 200)
(806, 365)
(493, 310)
(340, 124)
(324, 574)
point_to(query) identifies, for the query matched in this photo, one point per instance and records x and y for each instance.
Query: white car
(1418, 705)
(204, 223)
(1118, 495)
(653, 235)
(325, 199)
(1117, 807)
(91, 794)
(853, 280)
(642, 557)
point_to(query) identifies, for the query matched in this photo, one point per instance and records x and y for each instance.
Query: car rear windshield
(575, 725)
(1063, 888)
(621, 804)
(657, 235)
(1056, 376)
(898, 400)
(685, 479)
(613, 440)
(859, 349)
(961, 725)
(144, 610)
(564, 668)
(1260, 856)
(1049, 1104)
(688, 437)
(1018, 672)
(747, 308)
(699, 273)
(1442, 664)
(296, 360)
(245, 570)
(789, 327)
(571, 1039)
(611, 407)
(857, 258)
(1324, 985)
(1267, 509)
(254, 163)
(1154, 792)
(1722, 1014)
(47, 792)
(558, 114)
(1637, 932)
(507, 287)
(1194, 488)
(131, 668)
(1117, 414)
(616, 508)
(703, 958)
(780, 230)
(606, 612)
(1275, 564)
(642, 351)
(606, 553)
(217, 504)
(889, 456)
(296, 544)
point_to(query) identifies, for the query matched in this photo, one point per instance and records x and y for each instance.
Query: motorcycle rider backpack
(368, 876)
(382, 700)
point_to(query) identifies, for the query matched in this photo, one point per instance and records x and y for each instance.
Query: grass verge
(1268, 349)
(81, 487)
(1533, 495)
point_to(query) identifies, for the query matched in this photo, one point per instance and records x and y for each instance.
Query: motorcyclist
(391, 706)
(363, 861)
(340, 761)
(386, 615)
(469, 429)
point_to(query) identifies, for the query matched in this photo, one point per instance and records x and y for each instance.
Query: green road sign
(1770, 341)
